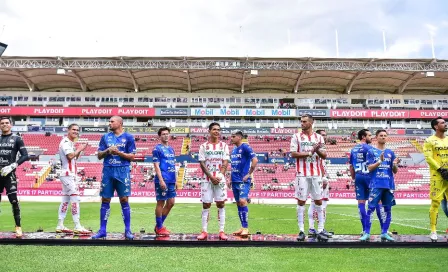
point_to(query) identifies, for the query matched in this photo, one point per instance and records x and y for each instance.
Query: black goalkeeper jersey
(10, 145)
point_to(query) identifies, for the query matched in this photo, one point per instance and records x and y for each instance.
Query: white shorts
(69, 185)
(210, 192)
(326, 191)
(308, 185)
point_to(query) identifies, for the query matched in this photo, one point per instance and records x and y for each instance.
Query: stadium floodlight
(429, 74)
(60, 71)
(254, 72)
(2, 48)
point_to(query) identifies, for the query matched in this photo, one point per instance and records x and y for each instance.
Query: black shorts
(9, 183)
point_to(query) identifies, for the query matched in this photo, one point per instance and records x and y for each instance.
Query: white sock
(205, 216)
(324, 209)
(221, 218)
(311, 215)
(300, 217)
(75, 210)
(62, 212)
(320, 216)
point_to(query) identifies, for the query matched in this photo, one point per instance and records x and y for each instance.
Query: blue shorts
(362, 187)
(115, 178)
(170, 191)
(241, 190)
(381, 194)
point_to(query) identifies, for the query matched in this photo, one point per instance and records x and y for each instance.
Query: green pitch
(185, 218)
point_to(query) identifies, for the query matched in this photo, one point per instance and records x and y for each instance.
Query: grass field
(185, 218)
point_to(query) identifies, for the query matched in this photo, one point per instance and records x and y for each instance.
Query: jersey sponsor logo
(114, 161)
(213, 153)
(441, 148)
(5, 152)
(117, 145)
(7, 145)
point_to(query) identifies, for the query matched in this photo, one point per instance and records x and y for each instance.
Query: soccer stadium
(292, 203)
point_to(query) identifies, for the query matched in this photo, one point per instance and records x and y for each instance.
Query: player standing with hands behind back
(436, 155)
(214, 158)
(117, 148)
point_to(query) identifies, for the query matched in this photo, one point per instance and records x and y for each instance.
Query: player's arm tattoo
(223, 169)
(204, 169)
(322, 153)
(253, 165)
(102, 154)
(352, 172)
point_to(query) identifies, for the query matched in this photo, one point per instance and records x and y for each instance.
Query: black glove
(444, 173)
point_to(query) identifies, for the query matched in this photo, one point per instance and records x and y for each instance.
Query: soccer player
(117, 148)
(10, 145)
(360, 174)
(164, 160)
(243, 162)
(214, 159)
(312, 213)
(308, 148)
(381, 165)
(436, 155)
(68, 154)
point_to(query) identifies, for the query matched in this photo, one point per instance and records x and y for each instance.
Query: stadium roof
(189, 74)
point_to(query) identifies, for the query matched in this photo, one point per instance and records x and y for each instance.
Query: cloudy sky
(255, 28)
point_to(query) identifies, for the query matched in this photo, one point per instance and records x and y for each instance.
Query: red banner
(253, 194)
(428, 114)
(364, 114)
(76, 111)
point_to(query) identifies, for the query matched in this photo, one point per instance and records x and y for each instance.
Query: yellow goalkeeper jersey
(436, 154)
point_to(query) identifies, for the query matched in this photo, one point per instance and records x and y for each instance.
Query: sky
(225, 28)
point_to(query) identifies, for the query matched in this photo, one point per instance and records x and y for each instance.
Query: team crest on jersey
(11, 140)
(123, 140)
(207, 147)
(240, 151)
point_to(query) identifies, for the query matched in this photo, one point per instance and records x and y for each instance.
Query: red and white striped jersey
(68, 166)
(213, 155)
(308, 166)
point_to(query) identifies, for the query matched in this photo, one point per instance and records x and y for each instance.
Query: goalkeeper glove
(444, 173)
(8, 169)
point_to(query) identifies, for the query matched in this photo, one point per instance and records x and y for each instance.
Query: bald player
(117, 148)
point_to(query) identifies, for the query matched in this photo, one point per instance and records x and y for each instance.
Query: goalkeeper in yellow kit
(436, 155)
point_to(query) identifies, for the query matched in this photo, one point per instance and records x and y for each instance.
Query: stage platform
(189, 240)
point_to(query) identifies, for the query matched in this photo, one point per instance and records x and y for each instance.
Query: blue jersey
(166, 158)
(382, 176)
(358, 159)
(241, 158)
(125, 143)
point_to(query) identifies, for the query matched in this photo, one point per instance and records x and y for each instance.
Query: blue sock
(126, 212)
(380, 214)
(362, 215)
(159, 222)
(239, 215)
(370, 212)
(244, 212)
(163, 218)
(386, 223)
(104, 215)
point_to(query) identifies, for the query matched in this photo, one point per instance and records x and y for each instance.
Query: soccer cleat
(321, 237)
(245, 232)
(301, 237)
(222, 236)
(100, 235)
(326, 233)
(312, 232)
(63, 229)
(81, 231)
(162, 231)
(365, 237)
(128, 235)
(203, 236)
(19, 232)
(433, 236)
(238, 232)
(386, 237)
